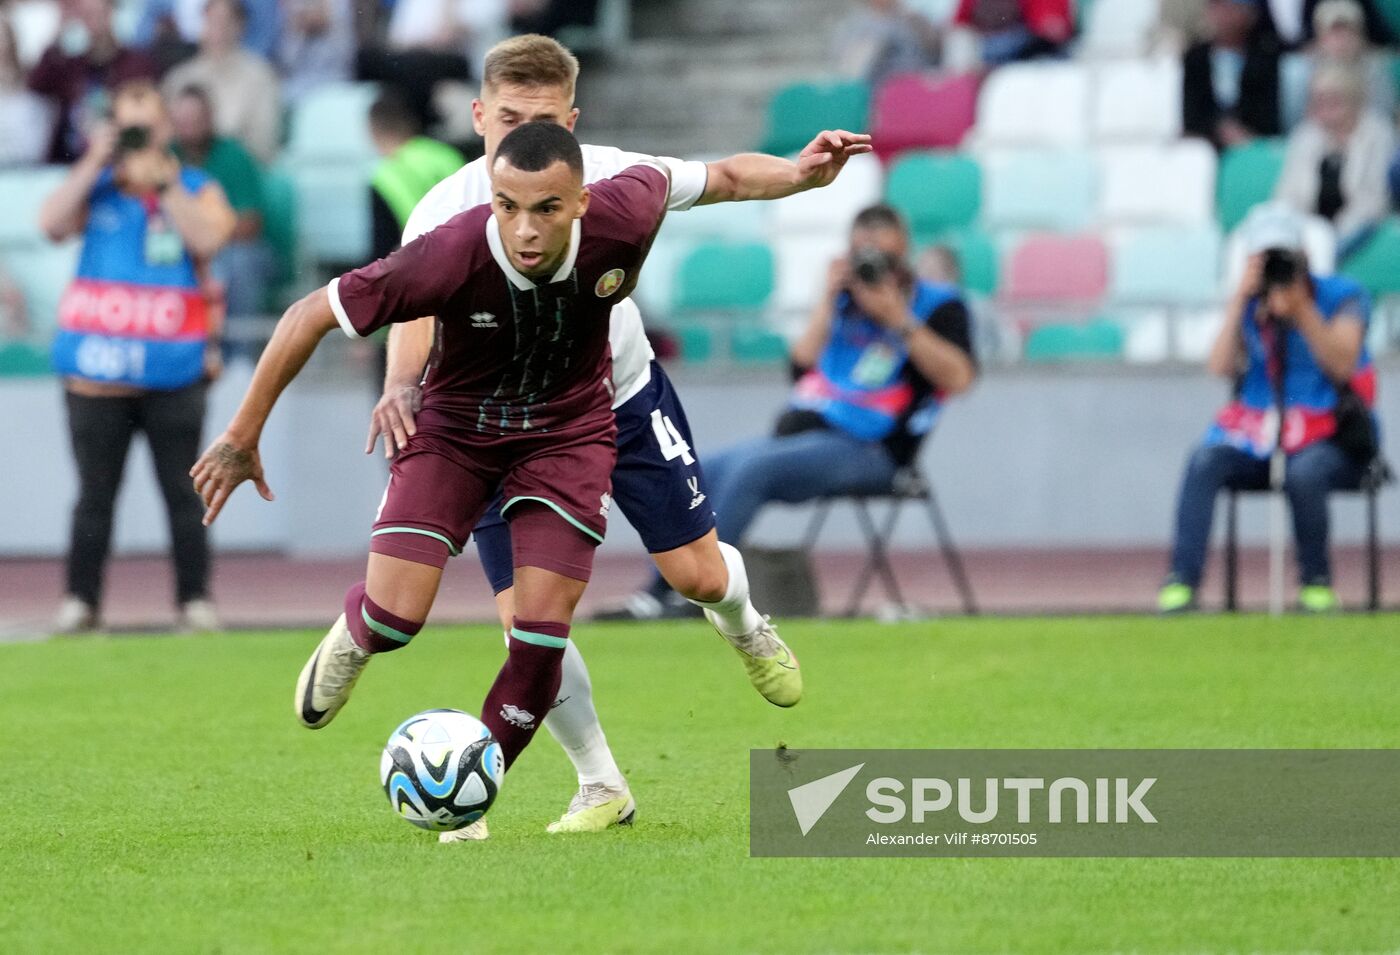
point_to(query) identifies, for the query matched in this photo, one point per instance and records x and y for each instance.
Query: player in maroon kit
(518, 401)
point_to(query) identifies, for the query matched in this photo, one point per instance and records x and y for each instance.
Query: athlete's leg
(573, 719)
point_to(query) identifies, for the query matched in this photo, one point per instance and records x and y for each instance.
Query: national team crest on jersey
(610, 282)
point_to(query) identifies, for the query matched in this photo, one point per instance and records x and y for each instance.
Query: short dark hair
(391, 113)
(880, 216)
(534, 147)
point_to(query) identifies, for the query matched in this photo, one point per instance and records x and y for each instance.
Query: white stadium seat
(1158, 184)
(1319, 241)
(22, 192)
(1034, 104)
(801, 263)
(1137, 101)
(860, 184)
(1119, 28)
(332, 122)
(1177, 266)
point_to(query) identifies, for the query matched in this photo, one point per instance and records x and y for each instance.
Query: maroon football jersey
(513, 355)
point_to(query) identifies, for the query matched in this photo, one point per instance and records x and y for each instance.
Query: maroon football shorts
(443, 482)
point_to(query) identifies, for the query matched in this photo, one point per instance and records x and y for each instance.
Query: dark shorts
(441, 485)
(657, 481)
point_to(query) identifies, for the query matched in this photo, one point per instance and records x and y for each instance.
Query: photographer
(880, 353)
(1294, 343)
(138, 338)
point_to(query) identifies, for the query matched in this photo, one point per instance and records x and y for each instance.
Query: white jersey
(470, 186)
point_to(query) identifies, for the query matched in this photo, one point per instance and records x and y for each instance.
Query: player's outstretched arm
(409, 347)
(749, 176)
(233, 457)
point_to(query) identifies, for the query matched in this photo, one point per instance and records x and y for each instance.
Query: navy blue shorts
(657, 482)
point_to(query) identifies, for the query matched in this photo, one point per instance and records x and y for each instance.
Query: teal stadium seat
(1172, 266)
(697, 343)
(798, 112)
(24, 360)
(1100, 340)
(1376, 265)
(977, 257)
(731, 277)
(758, 346)
(332, 123)
(22, 192)
(1053, 189)
(1390, 12)
(1247, 177)
(935, 191)
(42, 271)
(330, 159)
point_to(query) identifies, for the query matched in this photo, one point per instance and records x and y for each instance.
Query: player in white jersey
(658, 482)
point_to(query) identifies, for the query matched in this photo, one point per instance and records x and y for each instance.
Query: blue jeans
(791, 469)
(1311, 475)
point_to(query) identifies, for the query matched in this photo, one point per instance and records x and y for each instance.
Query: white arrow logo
(811, 801)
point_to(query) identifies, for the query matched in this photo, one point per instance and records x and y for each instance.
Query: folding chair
(1378, 475)
(909, 484)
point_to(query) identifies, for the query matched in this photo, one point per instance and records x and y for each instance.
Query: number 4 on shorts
(672, 444)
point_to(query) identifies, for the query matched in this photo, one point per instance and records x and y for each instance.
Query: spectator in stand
(180, 23)
(1012, 30)
(1294, 22)
(244, 266)
(241, 84)
(1230, 83)
(1340, 28)
(1337, 159)
(26, 120)
(883, 38)
(318, 45)
(411, 165)
(79, 72)
(149, 227)
(1181, 24)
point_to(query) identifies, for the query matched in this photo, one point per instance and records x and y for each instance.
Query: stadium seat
(754, 345)
(859, 185)
(736, 221)
(1146, 336)
(1056, 271)
(1100, 339)
(1137, 101)
(22, 192)
(696, 342)
(333, 211)
(935, 191)
(1247, 177)
(1390, 11)
(801, 263)
(1121, 28)
(280, 223)
(1157, 184)
(725, 277)
(1039, 189)
(977, 256)
(798, 111)
(42, 271)
(1034, 104)
(1172, 266)
(1319, 241)
(36, 24)
(332, 123)
(923, 111)
(1377, 264)
(24, 360)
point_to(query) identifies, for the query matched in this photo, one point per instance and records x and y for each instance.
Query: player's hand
(824, 157)
(393, 417)
(223, 467)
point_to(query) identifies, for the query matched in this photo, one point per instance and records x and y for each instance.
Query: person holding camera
(138, 338)
(881, 352)
(1294, 344)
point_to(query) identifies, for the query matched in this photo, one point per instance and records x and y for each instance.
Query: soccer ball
(441, 769)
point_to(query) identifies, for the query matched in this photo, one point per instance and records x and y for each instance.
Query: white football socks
(573, 722)
(734, 612)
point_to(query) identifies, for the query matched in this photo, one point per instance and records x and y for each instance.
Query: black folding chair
(909, 485)
(1378, 475)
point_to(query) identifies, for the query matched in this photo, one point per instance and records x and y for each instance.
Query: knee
(705, 580)
(1307, 480)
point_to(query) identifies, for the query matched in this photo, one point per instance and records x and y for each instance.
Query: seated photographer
(880, 353)
(1294, 344)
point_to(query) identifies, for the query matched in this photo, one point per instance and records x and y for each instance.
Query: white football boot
(471, 832)
(772, 666)
(595, 807)
(328, 677)
(75, 616)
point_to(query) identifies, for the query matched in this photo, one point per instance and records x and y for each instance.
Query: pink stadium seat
(923, 111)
(1056, 272)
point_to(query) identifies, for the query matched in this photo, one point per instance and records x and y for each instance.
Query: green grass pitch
(158, 796)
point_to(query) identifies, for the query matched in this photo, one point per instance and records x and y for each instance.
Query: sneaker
(1176, 598)
(1318, 598)
(595, 807)
(471, 832)
(75, 615)
(199, 616)
(773, 668)
(328, 677)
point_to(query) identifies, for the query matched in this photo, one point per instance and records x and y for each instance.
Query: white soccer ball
(441, 769)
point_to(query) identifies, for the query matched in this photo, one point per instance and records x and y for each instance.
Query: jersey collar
(498, 252)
